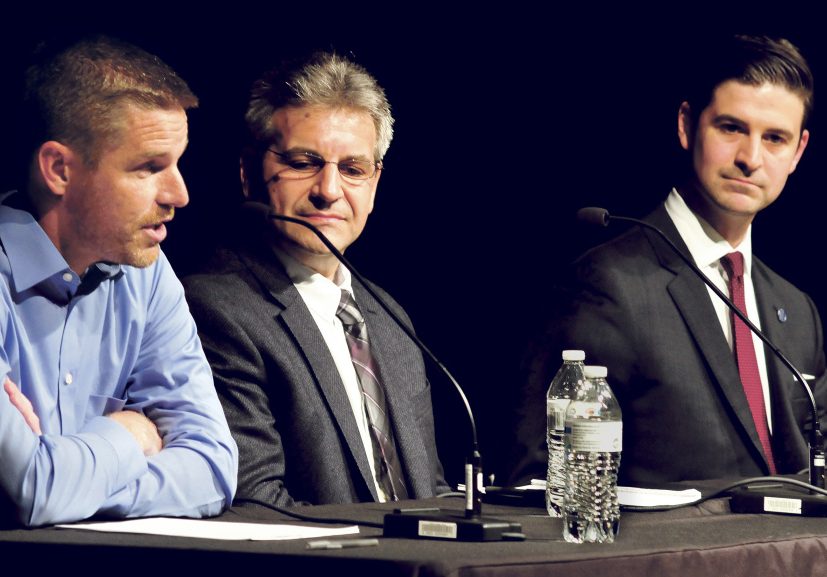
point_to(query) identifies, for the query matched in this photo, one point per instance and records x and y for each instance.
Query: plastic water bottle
(593, 441)
(560, 392)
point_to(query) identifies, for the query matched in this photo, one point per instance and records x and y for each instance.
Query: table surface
(702, 540)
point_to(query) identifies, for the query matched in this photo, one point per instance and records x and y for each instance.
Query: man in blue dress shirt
(109, 406)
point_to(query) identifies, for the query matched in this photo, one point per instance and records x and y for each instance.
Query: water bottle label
(556, 410)
(584, 410)
(595, 436)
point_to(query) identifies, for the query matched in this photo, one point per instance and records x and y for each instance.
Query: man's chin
(742, 205)
(311, 252)
(312, 246)
(143, 258)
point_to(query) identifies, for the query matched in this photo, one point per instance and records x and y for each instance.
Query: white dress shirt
(322, 296)
(707, 247)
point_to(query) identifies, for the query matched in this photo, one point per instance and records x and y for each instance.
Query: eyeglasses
(306, 164)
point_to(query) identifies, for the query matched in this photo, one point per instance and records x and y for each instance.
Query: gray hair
(324, 79)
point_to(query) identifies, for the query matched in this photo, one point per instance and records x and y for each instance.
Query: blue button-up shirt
(79, 349)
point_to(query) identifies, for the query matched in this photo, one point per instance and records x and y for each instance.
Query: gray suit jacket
(635, 307)
(284, 399)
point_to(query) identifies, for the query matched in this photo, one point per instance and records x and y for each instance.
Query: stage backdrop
(506, 124)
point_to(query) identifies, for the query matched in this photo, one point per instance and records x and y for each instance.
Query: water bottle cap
(595, 372)
(574, 356)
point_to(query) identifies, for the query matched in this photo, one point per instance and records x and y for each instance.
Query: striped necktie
(386, 460)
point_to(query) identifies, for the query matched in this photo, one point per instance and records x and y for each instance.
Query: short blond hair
(76, 95)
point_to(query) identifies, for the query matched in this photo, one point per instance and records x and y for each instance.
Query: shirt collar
(315, 287)
(33, 258)
(705, 244)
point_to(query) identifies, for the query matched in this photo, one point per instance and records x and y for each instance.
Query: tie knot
(734, 264)
(348, 312)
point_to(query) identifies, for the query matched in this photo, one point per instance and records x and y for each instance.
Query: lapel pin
(782, 314)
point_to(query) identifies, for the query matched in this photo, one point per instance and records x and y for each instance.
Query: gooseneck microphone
(419, 523)
(601, 217)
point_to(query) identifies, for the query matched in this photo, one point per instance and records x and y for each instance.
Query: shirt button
(68, 379)
(67, 276)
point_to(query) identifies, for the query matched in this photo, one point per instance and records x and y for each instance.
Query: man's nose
(173, 190)
(749, 156)
(328, 186)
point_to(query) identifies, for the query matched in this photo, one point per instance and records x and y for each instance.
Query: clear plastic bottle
(593, 441)
(560, 392)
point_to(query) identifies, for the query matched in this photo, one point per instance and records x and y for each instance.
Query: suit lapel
(769, 304)
(300, 324)
(788, 443)
(389, 345)
(692, 299)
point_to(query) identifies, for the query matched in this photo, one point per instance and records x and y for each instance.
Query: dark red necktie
(745, 354)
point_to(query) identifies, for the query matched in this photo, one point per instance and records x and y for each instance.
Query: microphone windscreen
(593, 215)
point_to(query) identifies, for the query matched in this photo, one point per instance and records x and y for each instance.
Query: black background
(507, 121)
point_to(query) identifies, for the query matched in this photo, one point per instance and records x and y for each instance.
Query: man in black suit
(667, 341)
(310, 428)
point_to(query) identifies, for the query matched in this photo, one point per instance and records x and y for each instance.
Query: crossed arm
(22, 404)
(139, 426)
(139, 432)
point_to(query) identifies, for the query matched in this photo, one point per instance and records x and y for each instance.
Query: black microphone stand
(418, 522)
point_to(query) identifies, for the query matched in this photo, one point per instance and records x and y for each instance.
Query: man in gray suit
(668, 342)
(315, 420)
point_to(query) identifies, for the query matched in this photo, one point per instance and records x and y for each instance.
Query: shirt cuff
(114, 446)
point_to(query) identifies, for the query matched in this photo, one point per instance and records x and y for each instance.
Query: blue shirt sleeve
(195, 474)
(71, 473)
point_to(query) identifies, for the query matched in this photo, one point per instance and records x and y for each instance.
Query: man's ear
(374, 185)
(54, 163)
(252, 183)
(802, 144)
(685, 127)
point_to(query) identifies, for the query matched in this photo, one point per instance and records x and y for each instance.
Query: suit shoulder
(630, 253)
(762, 273)
(624, 245)
(362, 293)
(381, 293)
(760, 268)
(225, 271)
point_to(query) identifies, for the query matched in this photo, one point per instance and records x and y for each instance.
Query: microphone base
(769, 499)
(433, 524)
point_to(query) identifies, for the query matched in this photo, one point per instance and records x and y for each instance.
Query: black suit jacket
(281, 391)
(635, 307)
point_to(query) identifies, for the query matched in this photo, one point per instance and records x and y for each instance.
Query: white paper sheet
(214, 529)
(637, 497)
